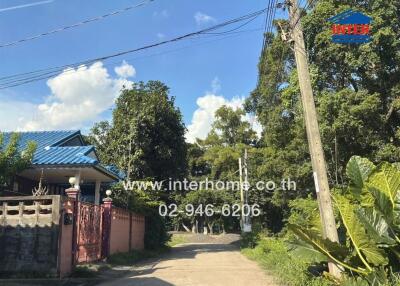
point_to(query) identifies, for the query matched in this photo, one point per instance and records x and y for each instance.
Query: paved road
(198, 264)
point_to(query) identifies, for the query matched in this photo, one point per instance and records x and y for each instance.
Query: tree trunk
(210, 226)
(195, 227)
(185, 227)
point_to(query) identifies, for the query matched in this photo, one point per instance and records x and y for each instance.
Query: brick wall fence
(51, 234)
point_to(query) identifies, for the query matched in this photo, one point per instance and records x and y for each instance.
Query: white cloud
(254, 123)
(78, 97)
(202, 18)
(125, 70)
(13, 114)
(204, 116)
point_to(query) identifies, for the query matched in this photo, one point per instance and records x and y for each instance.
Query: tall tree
(230, 127)
(216, 158)
(146, 135)
(224, 144)
(356, 92)
(355, 88)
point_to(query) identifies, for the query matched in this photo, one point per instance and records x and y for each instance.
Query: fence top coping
(29, 198)
(127, 212)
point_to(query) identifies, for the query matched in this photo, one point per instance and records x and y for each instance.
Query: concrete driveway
(205, 264)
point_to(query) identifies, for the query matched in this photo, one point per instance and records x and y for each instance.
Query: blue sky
(209, 71)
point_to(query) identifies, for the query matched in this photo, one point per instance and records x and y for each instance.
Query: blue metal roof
(113, 169)
(50, 152)
(65, 155)
(42, 138)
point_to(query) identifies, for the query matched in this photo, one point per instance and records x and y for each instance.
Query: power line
(268, 22)
(24, 78)
(61, 29)
(272, 5)
(273, 12)
(229, 35)
(234, 29)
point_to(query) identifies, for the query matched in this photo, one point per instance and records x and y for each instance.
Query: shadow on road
(142, 281)
(188, 251)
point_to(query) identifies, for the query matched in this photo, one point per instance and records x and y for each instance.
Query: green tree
(100, 137)
(12, 159)
(207, 200)
(216, 158)
(146, 135)
(225, 143)
(146, 140)
(229, 128)
(356, 94)
(197, 165)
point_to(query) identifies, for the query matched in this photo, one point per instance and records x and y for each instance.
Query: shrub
(272, 254)
(155, 235)
(370, 216)
(250, 239)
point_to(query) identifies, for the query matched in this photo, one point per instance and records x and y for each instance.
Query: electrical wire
(24, 78)
(272, 5)
(234, 29)
(229, 35)
(61, 29)
(268, 22)
(273, 11)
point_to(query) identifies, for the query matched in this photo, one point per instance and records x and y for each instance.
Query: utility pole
(246, 181)
(313, 135)
(246, 220)
(241, 190)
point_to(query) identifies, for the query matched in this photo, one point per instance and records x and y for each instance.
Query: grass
(272, 255)
(176, 239)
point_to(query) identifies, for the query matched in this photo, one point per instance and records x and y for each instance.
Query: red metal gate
(88, 232)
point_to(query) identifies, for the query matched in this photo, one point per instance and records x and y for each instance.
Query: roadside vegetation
(367, 218)
(273, 255)
(12, 161)
(177, 238)
(359, 118)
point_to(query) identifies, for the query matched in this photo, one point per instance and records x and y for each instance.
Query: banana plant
(369, 211)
